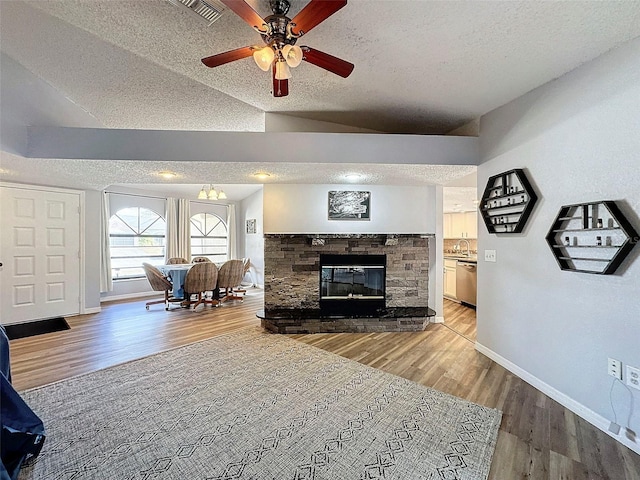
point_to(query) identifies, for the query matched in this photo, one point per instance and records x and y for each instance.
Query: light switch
(489, 255)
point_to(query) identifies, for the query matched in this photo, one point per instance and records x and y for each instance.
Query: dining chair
(229, 278)
(200, 259)
(200, 279)
(176, 260)
(159, 283)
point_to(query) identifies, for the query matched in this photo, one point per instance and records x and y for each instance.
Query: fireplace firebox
(352, 284)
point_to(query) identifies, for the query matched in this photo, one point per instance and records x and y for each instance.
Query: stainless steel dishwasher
(466, 282)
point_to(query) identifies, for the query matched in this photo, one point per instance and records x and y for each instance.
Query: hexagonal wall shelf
(507, 202)
(591, 237)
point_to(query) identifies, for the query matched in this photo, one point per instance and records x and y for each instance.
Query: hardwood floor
(538, 439)
(460, 319)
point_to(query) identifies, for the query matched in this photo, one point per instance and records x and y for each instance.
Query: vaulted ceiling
(421, 67)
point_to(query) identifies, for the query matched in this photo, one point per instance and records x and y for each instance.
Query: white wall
(251, 208)
(28, 100)
(578, 139)
(303, 209)
(92, 232)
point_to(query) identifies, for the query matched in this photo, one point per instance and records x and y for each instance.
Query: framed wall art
(251, 225)
(349, 205)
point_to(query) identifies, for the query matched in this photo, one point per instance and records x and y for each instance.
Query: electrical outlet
(633, 377)
(614, 368)
(489, 255)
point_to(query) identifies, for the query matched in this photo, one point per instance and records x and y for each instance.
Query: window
(136, 235)
(208, 237)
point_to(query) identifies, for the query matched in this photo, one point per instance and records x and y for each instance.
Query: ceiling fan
(280, 34)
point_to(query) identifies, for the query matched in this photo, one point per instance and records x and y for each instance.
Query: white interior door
(40, 254)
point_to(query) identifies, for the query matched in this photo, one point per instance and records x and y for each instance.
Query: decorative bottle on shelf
(608, 241)
(599, 241)
(566, 241)
(599, 223)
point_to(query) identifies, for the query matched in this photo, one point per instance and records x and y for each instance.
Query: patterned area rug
(256, 406)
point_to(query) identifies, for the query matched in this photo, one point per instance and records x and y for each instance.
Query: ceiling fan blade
(245, 11)
(280, 87)
(314, 13)
(226, 57)
(328, 62)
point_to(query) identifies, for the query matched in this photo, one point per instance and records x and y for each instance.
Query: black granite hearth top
(348, 235)
(311, 313)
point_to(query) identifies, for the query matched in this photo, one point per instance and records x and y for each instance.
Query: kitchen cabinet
(471, 224)
(461, 225)
(450, 278)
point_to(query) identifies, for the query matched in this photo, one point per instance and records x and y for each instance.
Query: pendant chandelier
(212, 194)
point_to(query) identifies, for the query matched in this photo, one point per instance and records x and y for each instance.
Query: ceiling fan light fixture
(292, 55)
(280, 34)
(264, 58)
(282, 71)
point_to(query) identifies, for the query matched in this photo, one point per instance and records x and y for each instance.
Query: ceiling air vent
(211, 10)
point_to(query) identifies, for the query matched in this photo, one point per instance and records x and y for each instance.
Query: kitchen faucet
(468, 254)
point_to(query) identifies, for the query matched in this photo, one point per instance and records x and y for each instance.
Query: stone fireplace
(292, 283)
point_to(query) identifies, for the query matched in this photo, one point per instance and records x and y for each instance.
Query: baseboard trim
(129, 296)
(92, 310)
(579, 409)
(437, 320)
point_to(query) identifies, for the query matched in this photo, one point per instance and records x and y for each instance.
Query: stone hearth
(291, 297)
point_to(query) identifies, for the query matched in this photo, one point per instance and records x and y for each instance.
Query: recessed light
(353, 177)
(167, 174)
(262, 175)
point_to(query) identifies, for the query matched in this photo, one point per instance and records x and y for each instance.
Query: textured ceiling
(423, 67)
(99, 174)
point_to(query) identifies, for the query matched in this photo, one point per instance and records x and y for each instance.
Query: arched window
(136, 235)
(208, 237)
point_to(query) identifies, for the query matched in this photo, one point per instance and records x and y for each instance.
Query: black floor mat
(29, 329)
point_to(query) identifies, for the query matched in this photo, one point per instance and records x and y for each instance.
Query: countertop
(451, 256)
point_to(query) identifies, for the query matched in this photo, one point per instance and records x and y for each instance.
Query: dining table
(177, 272)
